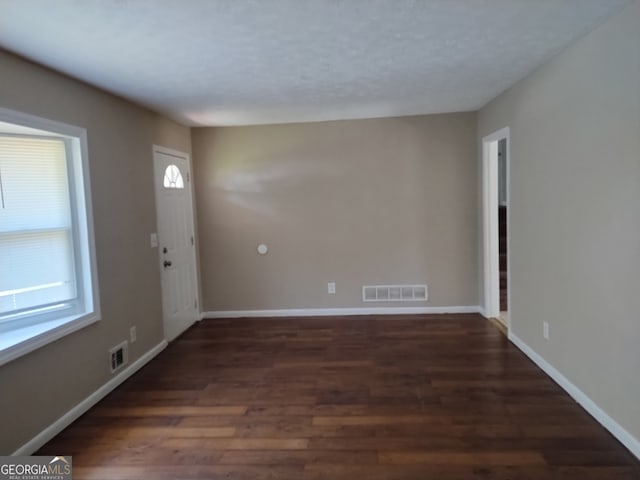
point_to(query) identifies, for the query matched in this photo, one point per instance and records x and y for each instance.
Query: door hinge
(195, 303)
(188, 177)
(192, 240)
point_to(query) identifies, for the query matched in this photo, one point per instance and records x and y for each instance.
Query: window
(172, 177)
(48, 285)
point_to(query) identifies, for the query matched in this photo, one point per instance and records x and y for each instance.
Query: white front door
(176, 241)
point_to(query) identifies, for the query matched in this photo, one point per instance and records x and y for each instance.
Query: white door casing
(176, 240)
(490, 194)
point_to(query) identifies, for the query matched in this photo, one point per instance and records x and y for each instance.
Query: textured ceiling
(234, 62)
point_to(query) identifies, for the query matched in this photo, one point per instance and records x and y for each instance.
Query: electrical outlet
(132, 334)
(331, 288)
(545, 330)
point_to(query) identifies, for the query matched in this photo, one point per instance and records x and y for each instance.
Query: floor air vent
(119, 356)
(394, 293)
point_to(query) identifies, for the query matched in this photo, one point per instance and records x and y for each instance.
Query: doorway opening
(495, 166)
(502, 230)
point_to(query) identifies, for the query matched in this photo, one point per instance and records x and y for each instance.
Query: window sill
(20, 341)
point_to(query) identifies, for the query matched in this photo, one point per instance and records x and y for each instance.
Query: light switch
(154, 240)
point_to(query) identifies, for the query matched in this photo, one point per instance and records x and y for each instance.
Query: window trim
(18, 341)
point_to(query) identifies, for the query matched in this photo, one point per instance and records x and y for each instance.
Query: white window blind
(37, 271)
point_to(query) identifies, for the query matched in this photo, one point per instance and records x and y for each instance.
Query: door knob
(167, 263)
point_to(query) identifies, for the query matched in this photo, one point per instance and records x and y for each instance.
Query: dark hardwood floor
(415, 397)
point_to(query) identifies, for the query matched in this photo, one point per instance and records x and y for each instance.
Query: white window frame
(21, 336)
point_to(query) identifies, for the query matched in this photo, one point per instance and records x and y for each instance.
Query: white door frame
(189, 187)
(491, 253)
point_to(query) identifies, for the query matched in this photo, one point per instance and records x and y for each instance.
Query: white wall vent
(119, 356)
(394, 293)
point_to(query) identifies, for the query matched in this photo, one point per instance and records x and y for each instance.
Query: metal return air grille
(394, 293)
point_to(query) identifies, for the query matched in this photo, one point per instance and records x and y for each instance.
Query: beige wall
(40, 387)
(575, 222)
(385, 201)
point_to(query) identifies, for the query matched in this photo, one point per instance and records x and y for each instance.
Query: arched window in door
(172, 177)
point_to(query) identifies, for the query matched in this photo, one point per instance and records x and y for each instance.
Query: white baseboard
(327, 312)
(628, 440)
(64, 421)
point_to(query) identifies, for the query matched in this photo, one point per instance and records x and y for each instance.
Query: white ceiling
(235, 62)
